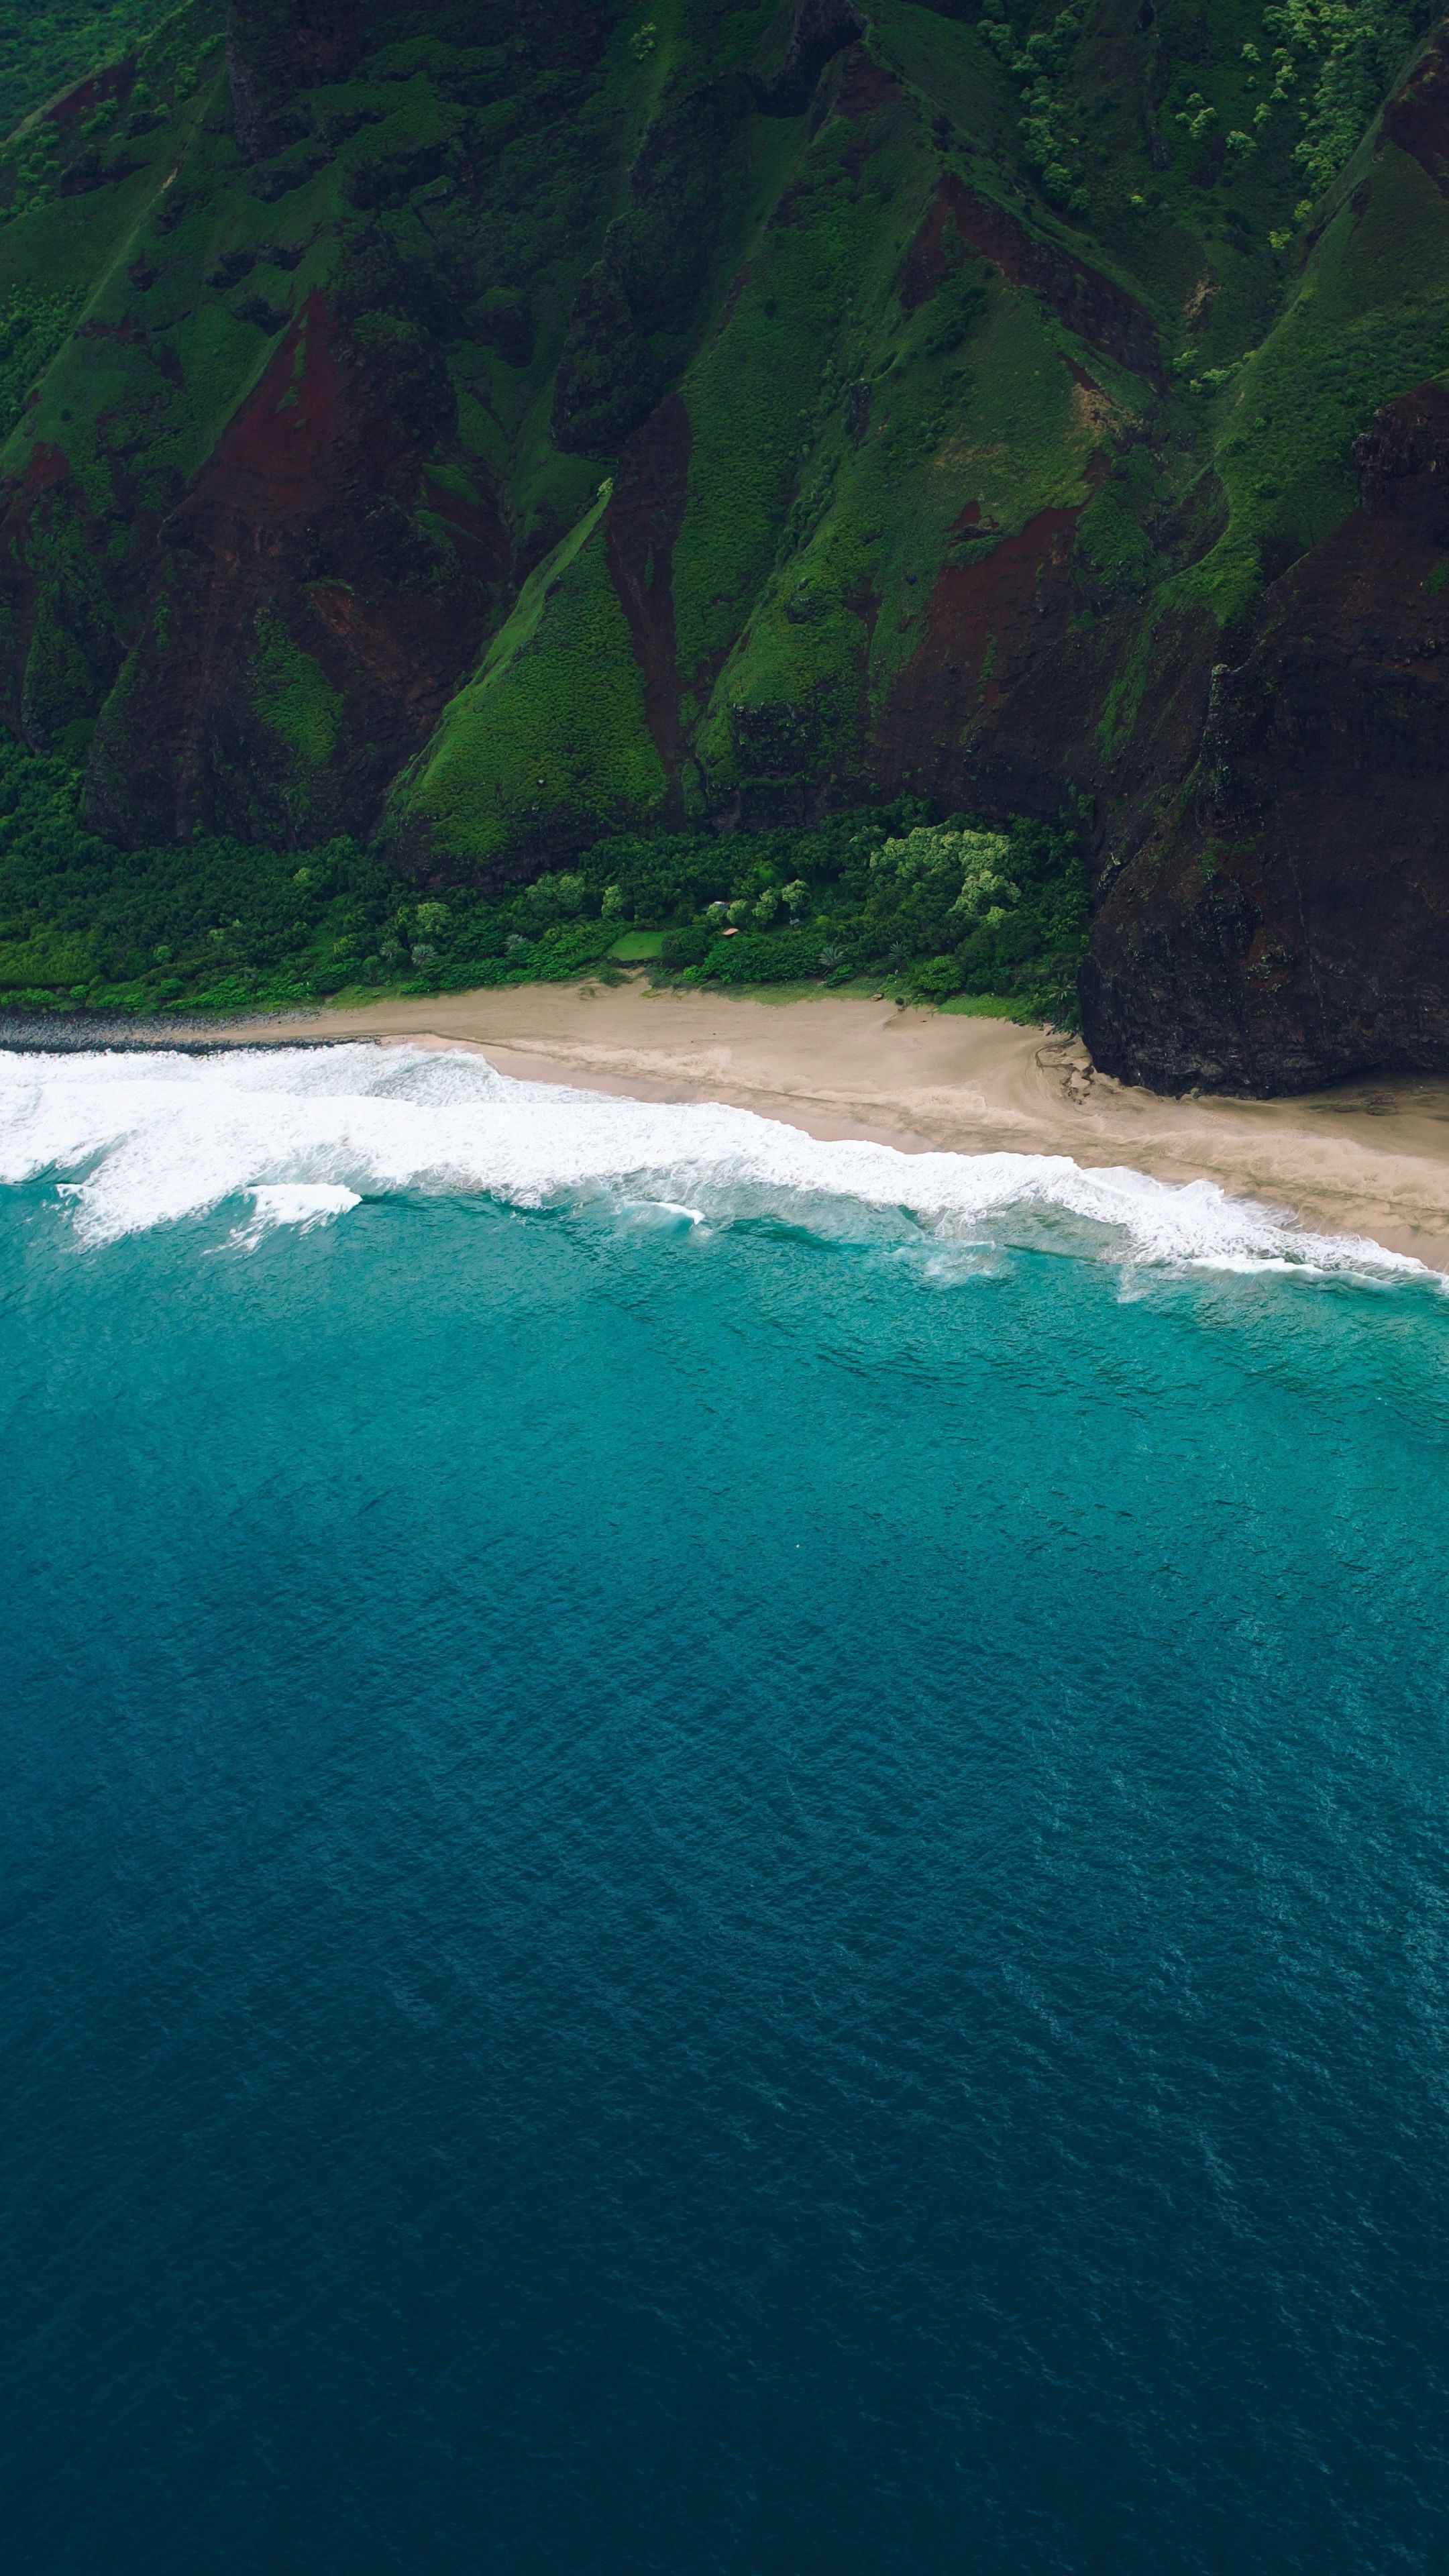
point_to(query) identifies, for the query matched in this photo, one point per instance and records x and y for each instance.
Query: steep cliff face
(489, 426)
(1292, 923)
(258, 521)
(277, 51)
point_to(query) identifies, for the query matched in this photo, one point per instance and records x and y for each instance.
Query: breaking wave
(301, 1135)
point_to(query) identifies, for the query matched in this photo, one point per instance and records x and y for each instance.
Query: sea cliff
(480, 431)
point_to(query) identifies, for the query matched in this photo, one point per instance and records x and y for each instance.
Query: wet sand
(1368, 1157)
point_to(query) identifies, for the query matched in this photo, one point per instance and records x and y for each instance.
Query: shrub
(764, 957)
(689, 947)
(221, 925)
(937, 979)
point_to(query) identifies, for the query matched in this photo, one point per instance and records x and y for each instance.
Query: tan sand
(1370, 1157)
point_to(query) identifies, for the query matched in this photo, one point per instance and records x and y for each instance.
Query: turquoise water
(705, 1870)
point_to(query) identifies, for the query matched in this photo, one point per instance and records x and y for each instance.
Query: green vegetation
(1024, 330)
(44, 44)
(1350, 51)
(554, 724)
(32, 327)
(212, 923)
(293, 695)
(216, 925)
(1049, 145)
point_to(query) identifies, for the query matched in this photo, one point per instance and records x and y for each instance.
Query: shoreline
(1370, 1156)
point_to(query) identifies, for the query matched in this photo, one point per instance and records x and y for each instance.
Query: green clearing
(986, 1006)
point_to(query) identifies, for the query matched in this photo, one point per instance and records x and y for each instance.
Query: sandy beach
(1368, 1157)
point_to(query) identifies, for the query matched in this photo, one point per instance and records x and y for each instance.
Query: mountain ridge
(488, 430)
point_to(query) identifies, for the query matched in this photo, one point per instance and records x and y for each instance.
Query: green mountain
(494, 433)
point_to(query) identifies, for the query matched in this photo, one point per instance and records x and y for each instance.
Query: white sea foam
(298, 1203)
(303, 1134)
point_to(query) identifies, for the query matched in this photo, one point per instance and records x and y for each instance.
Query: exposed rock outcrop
(822, 29)
(305, 625)
(1292, 922)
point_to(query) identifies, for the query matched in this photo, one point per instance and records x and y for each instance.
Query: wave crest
(303, 1133)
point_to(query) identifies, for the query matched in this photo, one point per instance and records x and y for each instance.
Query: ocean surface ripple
(722, 1856)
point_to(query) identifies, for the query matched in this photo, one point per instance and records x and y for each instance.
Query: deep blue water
(724, 1898)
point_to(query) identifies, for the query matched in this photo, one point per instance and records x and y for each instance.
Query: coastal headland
(1364, 1157)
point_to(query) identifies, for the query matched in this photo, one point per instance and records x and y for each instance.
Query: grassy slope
(554, 720)
(46, 44)
(806, 560)
(1367, 318)
(792, 538)
(135, 345)
(837, 437)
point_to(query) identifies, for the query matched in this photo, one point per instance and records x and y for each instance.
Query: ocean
(722, 1856)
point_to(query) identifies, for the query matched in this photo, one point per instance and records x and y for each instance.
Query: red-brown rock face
(300, 537)
(1294, 923)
